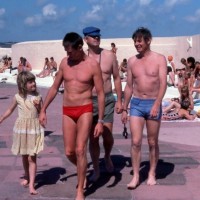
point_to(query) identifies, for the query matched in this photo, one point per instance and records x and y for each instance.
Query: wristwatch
(100, 121)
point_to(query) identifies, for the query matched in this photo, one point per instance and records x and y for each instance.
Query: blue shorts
(142, 108)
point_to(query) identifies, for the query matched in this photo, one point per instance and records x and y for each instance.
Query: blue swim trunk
(142, 108)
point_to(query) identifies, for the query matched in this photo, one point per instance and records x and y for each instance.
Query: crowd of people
(89, 103)
(50, 66)
(186, 79)
(5, 63)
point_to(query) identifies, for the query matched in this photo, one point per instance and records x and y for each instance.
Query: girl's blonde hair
(22, 79)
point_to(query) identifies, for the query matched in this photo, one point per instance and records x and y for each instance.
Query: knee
(108, 138)
(80, 152)
(32, 159)
(93, 141)
(69, 153)
(153, 143)
(136, 145)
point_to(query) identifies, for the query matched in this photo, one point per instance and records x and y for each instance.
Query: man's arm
(118, 85)
(50, 96)
(162, 85)
(162, 79)
(98, 84)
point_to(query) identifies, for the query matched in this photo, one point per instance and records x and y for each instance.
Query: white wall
(35, 52)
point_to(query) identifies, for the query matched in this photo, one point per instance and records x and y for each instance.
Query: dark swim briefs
(142, 108)
(75, 112)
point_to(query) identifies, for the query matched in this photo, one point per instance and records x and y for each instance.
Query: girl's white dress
(28, 134)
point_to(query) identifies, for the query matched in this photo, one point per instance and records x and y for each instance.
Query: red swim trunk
(75, 112)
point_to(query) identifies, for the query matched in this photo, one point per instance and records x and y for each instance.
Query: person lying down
(172, 109)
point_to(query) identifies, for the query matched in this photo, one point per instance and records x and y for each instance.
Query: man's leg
(83, 129)
(136, 126)
(153, 127)
(108, 142)
(69, 137)
(94, 153)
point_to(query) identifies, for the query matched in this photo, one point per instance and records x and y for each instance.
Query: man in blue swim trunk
(146, 86)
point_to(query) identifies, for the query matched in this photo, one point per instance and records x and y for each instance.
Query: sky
(33, 20)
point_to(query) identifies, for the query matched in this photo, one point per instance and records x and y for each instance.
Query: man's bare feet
(133, 184)
(151, 180)
(95, 176)
(24, 182)
(109, 164)
(33, 191)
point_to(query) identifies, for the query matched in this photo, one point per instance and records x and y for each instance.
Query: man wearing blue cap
(109, 67)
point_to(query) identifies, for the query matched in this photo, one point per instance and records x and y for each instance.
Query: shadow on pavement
(49, 177)
(119, 162)
(47, 133)
(162, 171)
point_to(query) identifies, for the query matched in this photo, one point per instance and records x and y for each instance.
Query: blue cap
(93, 31)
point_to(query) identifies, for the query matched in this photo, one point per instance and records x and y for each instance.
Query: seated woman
(46, 69)
(180, 109)
(5, 65)
(24, 65)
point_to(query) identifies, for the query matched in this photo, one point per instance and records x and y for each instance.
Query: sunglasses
(94, 36)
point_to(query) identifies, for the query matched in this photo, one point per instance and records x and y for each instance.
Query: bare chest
(145, 69)
(80, 74)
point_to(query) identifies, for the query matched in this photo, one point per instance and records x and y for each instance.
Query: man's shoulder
(157, 54)
(91, 63)
(106, 52)
(132, 58)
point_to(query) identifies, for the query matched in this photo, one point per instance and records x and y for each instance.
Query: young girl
(28, 135)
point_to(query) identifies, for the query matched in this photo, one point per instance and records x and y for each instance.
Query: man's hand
(98, 130)
(124, 117)
(118, 107)
(155, 110)
(43, 118)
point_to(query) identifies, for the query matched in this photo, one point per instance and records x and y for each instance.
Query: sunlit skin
(80, 74)
(109, 67)
(146, 79)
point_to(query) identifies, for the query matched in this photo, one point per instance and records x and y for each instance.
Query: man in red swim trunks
(80, 74)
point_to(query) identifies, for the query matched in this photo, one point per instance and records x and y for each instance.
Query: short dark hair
(142, 33)
(73, 39)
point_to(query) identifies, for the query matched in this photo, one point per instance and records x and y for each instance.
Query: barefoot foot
(25, 182)
(33, 192)
(109, 165)
(133, 184)
(151, 180)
